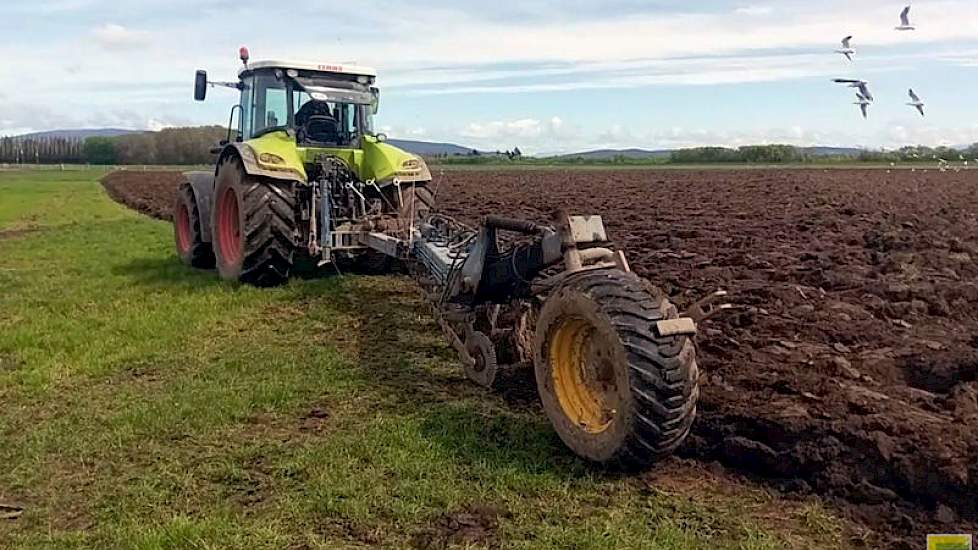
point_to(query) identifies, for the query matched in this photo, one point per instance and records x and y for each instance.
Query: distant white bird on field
(863, 103)
(916, 102)
(905, 20)
(846, 48)
(861, 84)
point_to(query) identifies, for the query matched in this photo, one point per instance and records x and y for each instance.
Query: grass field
(146, 405)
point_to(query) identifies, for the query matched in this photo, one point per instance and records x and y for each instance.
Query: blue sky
(543, 75)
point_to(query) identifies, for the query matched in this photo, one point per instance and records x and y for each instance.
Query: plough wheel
(615, 391)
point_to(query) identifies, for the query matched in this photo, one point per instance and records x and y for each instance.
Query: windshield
(329, 122)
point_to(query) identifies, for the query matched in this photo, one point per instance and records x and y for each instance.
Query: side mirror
(375, 106)
(200, 86)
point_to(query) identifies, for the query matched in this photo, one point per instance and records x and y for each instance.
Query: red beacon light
(243, 53)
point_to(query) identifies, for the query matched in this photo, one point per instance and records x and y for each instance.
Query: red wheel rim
(183, 229)
(228, 227)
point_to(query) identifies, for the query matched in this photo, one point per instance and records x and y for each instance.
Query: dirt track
(849, 369)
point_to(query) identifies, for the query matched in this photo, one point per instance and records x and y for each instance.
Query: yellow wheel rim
(583, 376)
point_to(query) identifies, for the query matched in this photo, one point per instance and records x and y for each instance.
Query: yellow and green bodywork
(277, 155)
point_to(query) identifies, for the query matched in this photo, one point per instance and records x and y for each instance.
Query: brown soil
(150, 192)
(849, 369)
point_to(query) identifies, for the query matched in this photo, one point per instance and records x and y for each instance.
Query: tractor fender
(246, 153)
(202, 185)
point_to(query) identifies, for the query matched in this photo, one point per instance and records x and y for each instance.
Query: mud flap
(202, 184)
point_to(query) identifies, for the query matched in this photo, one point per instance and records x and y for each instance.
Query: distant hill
(607, 154)
(430, 149)
(81, 133)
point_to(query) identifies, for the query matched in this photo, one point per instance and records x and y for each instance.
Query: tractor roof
(308, 66)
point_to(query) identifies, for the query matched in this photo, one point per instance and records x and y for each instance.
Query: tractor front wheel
(616, 392)
(188, 231)
(253, 226)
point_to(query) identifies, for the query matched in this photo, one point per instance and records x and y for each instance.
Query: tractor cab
(324, 105)
(292, 114)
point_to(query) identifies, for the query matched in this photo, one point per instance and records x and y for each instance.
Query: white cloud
(754, 10)
(525, 128)
(116, 37)
(899, 134)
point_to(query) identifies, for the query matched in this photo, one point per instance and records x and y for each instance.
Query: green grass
(146, 405)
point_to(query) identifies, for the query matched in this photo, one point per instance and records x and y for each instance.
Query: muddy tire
(616, 392)
(418, 200)
(188, 231)
(253, 226)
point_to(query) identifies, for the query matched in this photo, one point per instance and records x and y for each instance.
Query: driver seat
(316, 123)
(322, 128)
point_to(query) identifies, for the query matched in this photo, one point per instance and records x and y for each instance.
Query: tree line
(50, 150)
(788, 154)
(168, 146)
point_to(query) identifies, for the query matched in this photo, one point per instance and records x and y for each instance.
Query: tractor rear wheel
(253, 226)
(188, 231)
(416, 202)
(616, 392)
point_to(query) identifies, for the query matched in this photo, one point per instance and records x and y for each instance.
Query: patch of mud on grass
(15, 233)
(472, 525)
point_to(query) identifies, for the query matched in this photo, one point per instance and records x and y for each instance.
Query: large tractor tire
(418, 200)
(616, 392)
(253, 226)
(188, 231)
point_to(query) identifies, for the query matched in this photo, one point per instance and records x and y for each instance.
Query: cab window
(271, 104)
(264, 104)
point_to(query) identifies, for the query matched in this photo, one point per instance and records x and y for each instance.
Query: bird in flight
(863, 103)
(905, 20)
(846, 48)
(916, 102)
(861, 84)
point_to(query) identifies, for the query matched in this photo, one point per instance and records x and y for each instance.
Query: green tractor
(304, 175)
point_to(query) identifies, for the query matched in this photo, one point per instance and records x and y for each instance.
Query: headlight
(270, 158)
(412, 164)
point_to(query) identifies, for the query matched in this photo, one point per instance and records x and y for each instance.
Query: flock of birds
(864, 98)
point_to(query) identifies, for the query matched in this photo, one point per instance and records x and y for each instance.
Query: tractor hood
(276, 155)
(384, 163)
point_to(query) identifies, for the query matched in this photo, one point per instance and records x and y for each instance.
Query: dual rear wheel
(253, 226)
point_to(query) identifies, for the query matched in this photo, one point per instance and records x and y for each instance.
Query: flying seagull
(905, 20)
(846, 48)
(863, 104)
(916, 102)
(861, 84)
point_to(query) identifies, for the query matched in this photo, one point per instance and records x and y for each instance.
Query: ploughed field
(848, 368)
